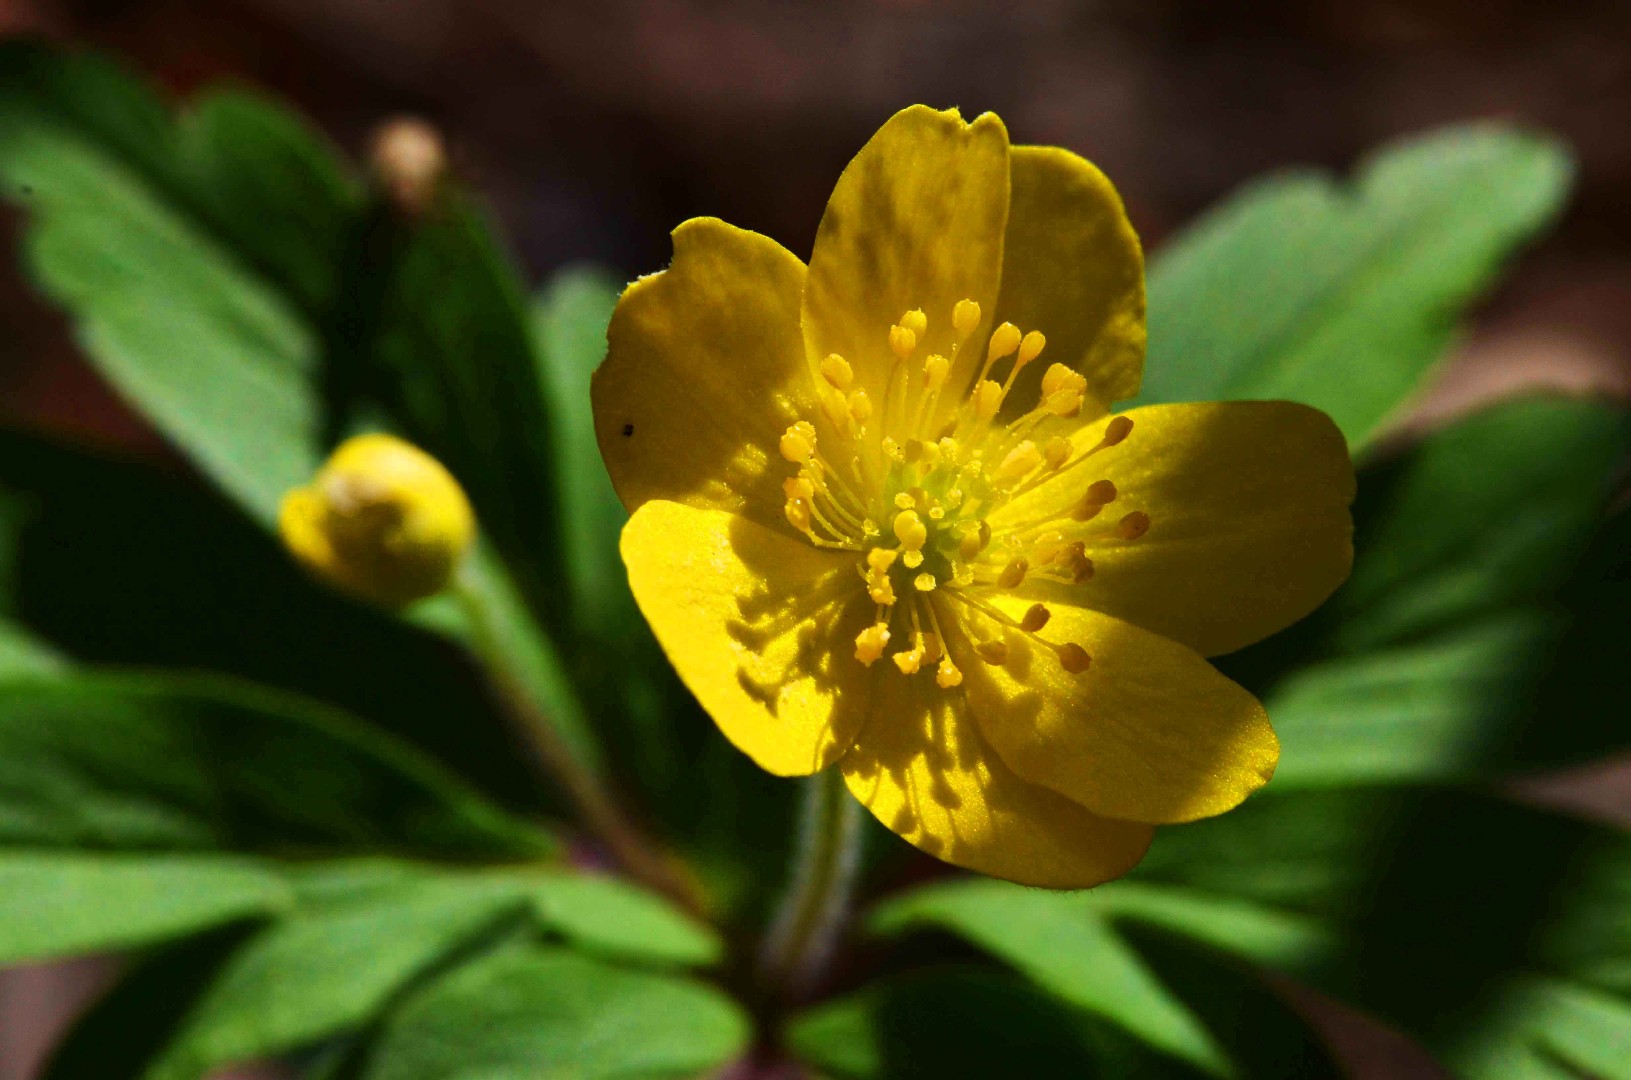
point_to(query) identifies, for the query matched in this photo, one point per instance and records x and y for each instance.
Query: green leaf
(1066, 947)
(180, 763)
(611, 917)
(54, 905)
(570, 318)
(1544, 1029)
(23, 654)
(962, 1022)
(329, 968)
(547, 1012)
(1476, 604)
(157, 572)
(140, 229)
(1343, 296)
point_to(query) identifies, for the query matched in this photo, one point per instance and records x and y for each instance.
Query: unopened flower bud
(381, 520)
(409, 161)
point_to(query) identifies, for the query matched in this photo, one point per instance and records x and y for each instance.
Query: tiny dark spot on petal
(628, 429)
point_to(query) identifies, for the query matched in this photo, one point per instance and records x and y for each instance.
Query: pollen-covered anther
(987, 399)
(902, 340)
(924, 582)
(1073, 658)
(871, 642)
(1035, 618)
(1133, 526)
(878, 585)
(836, 370)
(935, 370)
(909, 660)
(915, 321)
(965, 316)
(993, 652)
(1056, 452)
(799, 442)
(947, 675)
(912, 534)
(1063, 391)
(798, 515)
(798, 487)
(1013, 575)
(1018, 463)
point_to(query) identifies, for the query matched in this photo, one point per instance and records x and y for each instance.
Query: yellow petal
(759, 625)
(1073, 269)
(915, 222)
(1149, 732)
(704, 371)
(923, 770)
(1249, 522)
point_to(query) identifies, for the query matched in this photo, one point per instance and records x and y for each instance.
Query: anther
(987, 399)
(1073, 658)
(1018, 463)
(924, 582)
(947, 675)
(1030, 347)
(902, 340)
(798, 487)
(1133, 526)
(836, 370)
(965, 316)
(1100, 494)
(1116, 430)
(799, 442)
(915, 321)
(909, 660)
(935, 369)
(1036, 617)
(974, 541)
(1013, 574)
(1004, 340)
(870, 643)
(860, 406)
(912, 534)
(993, 652)
(1056, 452)
(798, 514)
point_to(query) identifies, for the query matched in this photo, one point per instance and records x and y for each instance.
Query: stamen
(1017, 464)
(1073, 658)
(1035, 618)
(993, 652)
(799, 442)
(1013, 574)
(836, 370)
(912, 534)
(965, 316)
(924, 583)
(902, 340)
(915, 321)
(1055, 453)
(1133, 526)
(870, 643)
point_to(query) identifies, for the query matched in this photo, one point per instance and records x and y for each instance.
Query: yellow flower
(382, 520)
(903, 453)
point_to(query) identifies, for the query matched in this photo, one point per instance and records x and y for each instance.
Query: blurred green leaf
(156, 572)
(570, 318)
(613, 918)
(547, 1012)
(142, 230)
(54, 905)
(121, 1032)
(969, 1023)
(326, 969)
(1344, 297)
(179, 763)
(1453, 634)
(1066, 948)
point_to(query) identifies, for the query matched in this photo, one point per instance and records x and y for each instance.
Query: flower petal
(704, 370)
(1249, 522)
(923, 769)
(1073, 269)
(915, 221)
(760, 626)
(1149, 732)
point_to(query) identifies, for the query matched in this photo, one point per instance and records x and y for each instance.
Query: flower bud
(381, 520)
(408, 161)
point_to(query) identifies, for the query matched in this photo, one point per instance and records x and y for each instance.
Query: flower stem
(543, 708)
(812, 913)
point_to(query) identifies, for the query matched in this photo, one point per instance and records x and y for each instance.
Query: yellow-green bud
(382, 520)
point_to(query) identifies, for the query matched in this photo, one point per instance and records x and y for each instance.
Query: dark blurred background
(595, 126)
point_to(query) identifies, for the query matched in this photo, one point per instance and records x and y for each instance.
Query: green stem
(812, 913)
(495, 639)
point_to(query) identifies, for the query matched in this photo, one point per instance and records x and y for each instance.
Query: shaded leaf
(179, 763)
(547, 1012)
(1343, 296)
(54, 905)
